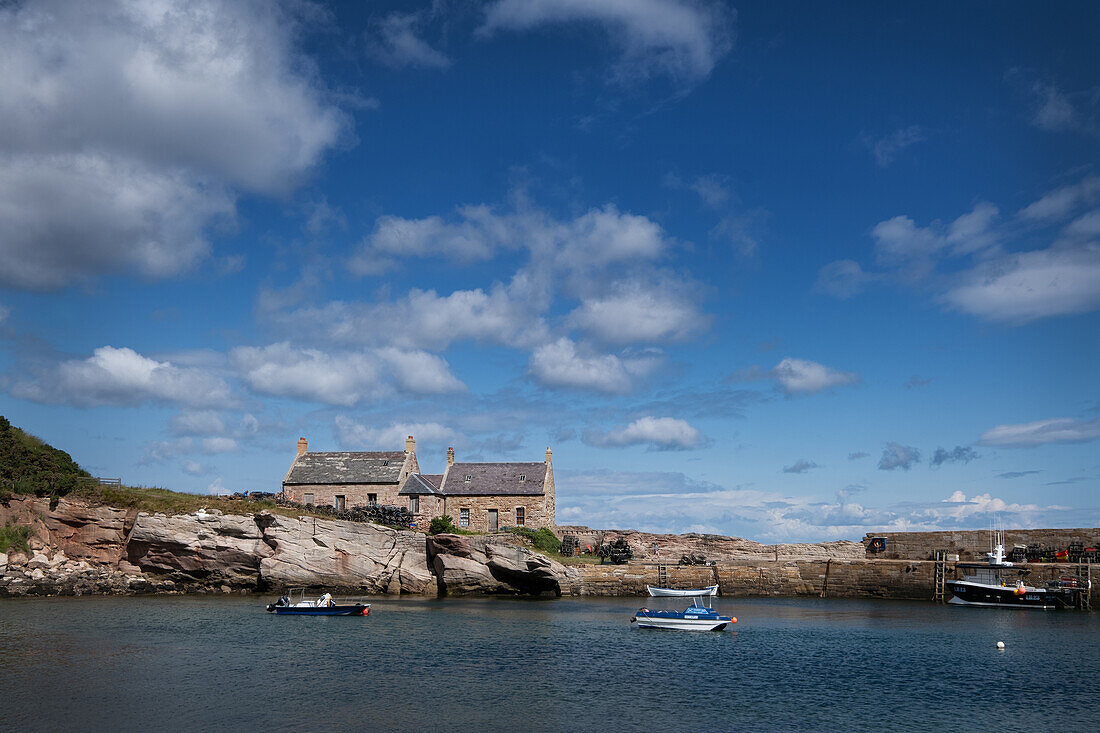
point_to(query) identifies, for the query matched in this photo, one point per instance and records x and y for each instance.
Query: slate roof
(495, 479)
(375, 467)
(421, 484)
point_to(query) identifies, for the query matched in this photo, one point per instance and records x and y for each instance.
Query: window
(372, 498)
(340, 503)
(523, 477)
(463, 517)
(414, 504)
(469, 478)
(521, 516)
(308, 499)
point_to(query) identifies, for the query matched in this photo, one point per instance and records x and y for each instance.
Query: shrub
(541, 539)
(442, 525)
(15, 535)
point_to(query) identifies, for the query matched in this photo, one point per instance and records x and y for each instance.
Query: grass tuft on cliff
(15, 535)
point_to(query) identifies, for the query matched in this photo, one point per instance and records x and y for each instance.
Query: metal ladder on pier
(1084, 573)
(662, 575)
(939, 576)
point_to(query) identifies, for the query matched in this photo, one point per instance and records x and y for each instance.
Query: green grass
(165, 501)
(15, 535)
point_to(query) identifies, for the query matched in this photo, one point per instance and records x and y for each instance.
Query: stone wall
(535, 507)
(972, 544)
(355, 494)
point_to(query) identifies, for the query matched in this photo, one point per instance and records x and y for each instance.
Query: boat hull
(966, 593)
(710, 590)
(356, 610)
(680, 621)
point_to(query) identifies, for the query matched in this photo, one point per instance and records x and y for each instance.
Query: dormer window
(469, 478)
(523, 477)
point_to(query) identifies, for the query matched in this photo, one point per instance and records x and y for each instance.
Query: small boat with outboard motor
(710, 590)
(295, 603)
(991, 584)
(699, 616)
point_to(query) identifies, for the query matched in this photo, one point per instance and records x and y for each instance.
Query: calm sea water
(204, 663)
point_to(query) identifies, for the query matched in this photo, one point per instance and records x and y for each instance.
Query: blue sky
(780, 270)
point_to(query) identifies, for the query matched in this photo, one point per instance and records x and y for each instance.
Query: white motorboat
(986, 584)
(710, 590)
(697, 617)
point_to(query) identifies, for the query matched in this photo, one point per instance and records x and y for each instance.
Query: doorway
(493, 522)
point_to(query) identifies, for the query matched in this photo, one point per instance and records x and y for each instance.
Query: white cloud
(681, 40)
(886, 147)
(659, 433)
(143, 117)
(896, 455)
(1059, 203)
(218, 445)
(973, 232)
(395, 43)
(121, 376)
(558, 364)
(800, 466)
(192, 468)
(353, 435)
(639, 312)
(420, 372)
(900, 243)
(281, 370)
(842, 279)
(197, 422)
(1054, 110)
(1041, 432)
(1030, 285)
(803, 375)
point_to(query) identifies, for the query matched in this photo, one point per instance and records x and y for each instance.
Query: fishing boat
(295, 603)
(710, 590)
(991, 583)
(697, 617)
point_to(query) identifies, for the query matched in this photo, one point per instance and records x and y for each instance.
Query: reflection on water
(201, 663)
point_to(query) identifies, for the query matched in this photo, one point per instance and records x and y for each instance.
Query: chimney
(302, 445)
(450, 456)
(410, 445)
(549, 456)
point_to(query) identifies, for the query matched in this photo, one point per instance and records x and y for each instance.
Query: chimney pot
(450, 456)
(410, 445)
(549, 455)
(303, 446)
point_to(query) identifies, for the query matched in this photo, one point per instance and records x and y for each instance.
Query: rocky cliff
(77, 549)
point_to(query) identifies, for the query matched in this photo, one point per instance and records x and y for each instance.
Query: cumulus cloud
(341, 378)
(658, 433)
(558, 364)
(670, 38)
(1025, 287)
(798, 376)
(353, 435)
(886, 147)
(800, 466)
(145, 118)
(123, 377)
(958, 454)
(395, 42)
(896, 455)
(842, 279)
(639, 312)
(197, 422)
(1061, 202)
(1041, 432)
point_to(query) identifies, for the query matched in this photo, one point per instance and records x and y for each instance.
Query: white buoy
(1000, 645)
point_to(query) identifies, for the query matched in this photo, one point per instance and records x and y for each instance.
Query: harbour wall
(897, 579)
(973, 544)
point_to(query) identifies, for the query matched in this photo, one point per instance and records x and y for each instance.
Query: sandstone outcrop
(207, 546)
(487, 565)
(670, 547)
(333, 553)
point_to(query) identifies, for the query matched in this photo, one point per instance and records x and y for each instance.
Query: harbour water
(222, 663)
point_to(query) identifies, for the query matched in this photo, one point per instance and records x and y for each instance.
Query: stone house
(349, 478)
(478, 496)
(486, 496)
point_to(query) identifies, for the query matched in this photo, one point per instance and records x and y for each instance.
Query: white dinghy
(710, 590)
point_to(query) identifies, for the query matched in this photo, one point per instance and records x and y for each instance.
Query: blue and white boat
(295, 603)
(697, 617)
